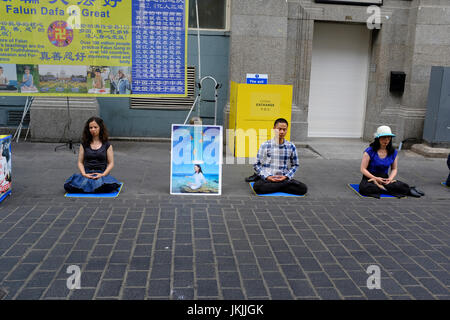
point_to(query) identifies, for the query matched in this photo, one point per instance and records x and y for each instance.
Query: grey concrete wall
(412, 38)
(52, 121)
(258, 41)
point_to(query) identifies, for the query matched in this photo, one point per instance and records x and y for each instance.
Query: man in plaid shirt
(276, 164)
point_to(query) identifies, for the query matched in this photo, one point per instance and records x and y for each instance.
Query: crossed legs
(288, 186)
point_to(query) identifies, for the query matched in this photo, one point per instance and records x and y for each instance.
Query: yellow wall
(253, 110)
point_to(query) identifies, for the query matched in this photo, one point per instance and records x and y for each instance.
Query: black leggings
(288, 186)
(397, 189)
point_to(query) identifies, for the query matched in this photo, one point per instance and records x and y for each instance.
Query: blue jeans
(79, 184)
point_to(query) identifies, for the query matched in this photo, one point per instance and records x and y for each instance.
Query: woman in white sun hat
(375, 164)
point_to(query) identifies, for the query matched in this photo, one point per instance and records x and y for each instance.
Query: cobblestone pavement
(234, 246)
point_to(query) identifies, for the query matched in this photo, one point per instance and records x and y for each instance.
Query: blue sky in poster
(195, 144)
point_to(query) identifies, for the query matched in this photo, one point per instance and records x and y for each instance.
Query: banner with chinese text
(93, 47)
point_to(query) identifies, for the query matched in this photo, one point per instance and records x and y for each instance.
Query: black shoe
(413, 193)
(252, 178)
(418, 191)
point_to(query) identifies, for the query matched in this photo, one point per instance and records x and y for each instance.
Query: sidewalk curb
(430, 152)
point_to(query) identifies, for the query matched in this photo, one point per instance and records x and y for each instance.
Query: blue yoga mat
(95, 195)
(445, 185)
(276, 194)
(5, 195)
(355, 187)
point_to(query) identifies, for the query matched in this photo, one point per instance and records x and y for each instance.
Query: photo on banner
(98, 80)
(28, 76)
(62, 79)
(5, 166)
(120, 80)
(196, 160)
(8, 78)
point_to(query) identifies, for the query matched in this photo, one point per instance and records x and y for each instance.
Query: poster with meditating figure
(5, 166)
(196, 160)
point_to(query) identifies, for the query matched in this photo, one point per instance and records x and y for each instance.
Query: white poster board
(196, 160)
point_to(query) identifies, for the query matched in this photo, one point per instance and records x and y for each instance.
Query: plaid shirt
(272, 159)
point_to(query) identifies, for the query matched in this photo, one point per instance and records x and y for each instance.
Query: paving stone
(229, 280)
(183, 279)
(319, 279)
(142, 250)
(58, 289)
(109, 288)
(334, 271)
(415, 270)
(90, 279)
(115, 271)
(434, 286)
(301, 288)
(254, 288)
(302, 252)
(207, 288)
(280, 294)
(182, 250)
(77, 257)
(22, 272)
(204, 257)
(233, 294)
(102, 250)
(245, 257)
(182, 294)
(134, 294)
(419, 293)
(293, 272)
(203, 244)
(392, 287)
(347, 287)
(40, 280)
(223, 250)
(30, 294)
(328, 293)
(159, 271)
(249, 271)
(226, 264)
(310, 264)
(274, 279)
(140, 263)
(82, 294)
(205, 271)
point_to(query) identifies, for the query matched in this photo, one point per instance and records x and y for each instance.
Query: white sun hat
(383, 131)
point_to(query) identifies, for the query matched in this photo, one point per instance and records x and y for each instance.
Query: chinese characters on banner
(93, 47)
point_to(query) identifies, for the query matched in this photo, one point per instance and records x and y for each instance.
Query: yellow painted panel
(257, 107)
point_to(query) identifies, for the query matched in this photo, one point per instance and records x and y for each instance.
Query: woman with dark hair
(199, 179)
(375, 164)
(95, 161)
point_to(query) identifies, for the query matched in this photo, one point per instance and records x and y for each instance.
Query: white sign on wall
(257, 78)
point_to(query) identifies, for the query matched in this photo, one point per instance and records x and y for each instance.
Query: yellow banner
(253, 110)
(93, 47)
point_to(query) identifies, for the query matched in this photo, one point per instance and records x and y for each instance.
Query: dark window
(212, 14)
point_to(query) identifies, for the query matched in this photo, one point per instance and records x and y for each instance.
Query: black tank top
(96, 159)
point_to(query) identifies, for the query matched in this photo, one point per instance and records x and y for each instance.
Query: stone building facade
(412, 37)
